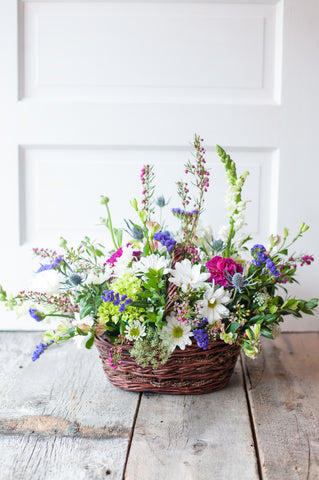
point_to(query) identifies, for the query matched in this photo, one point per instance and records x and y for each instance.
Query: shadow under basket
(189, 371)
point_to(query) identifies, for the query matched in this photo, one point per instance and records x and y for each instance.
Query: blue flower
(50, 266)
(260, 248)
(239, 281)
(183, 213)
(110, 297)
(75, 279)
(262, 258)
(161, 202)
(165, 240)
(134, 230)
(38, 316)
(201, 336)
(218, 245)
(39, 349)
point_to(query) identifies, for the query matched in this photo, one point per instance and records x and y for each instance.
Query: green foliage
(152, 297)
(150, 350)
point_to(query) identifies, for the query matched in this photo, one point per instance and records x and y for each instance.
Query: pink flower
(217, 267)
(113, 259)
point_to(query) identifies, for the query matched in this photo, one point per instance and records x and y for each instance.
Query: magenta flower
(113, 259)
(217, 267)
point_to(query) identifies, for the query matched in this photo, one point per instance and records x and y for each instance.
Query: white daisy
(185, 275)
(213, 304)
(155, 262)
(176, 333)
(135, 330)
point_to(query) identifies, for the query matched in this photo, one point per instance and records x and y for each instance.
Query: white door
(92, 90)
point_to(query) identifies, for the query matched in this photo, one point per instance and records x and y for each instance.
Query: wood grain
(194, 437)
(284, 394)
(62, 413)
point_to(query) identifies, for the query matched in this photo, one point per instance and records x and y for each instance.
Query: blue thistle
(218, 245)
(134, 230)
(239, 281)
(161, 202)
(75, 279)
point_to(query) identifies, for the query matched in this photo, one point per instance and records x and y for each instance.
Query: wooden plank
(38, 457)
(284, 394)
(63, 402)
(194, 437)
(14, 357)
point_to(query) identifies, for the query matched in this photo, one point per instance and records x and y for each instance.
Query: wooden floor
(60, 419)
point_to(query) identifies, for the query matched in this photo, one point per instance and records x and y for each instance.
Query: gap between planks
(132, 434)
(251, 419)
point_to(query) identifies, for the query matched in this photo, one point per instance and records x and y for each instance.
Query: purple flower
(38, 316)
(201, 335)
(262, 258)
(183, 213)
(256, 262)
(50, 266)
(165, 240)
(259, 248)
(110, 297)
(39, 349)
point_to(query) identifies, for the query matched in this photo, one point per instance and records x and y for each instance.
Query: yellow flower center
(212, 305)
(134, 332)
(177, 332)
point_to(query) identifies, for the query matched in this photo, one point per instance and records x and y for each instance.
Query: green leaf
(266, 332)
(233, 327)
(151, 316)
(134, 204)
(71, 331)
(86, 311)
(89, 342)
(146, 250)
(80, 332)
(273, 309)
(313, 303)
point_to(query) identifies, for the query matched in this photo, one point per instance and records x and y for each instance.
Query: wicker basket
(189, 371)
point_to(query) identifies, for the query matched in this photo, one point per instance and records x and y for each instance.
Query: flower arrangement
(159, 291)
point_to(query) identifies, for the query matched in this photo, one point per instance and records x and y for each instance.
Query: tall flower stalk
(147, 179)
(234, 203)
(199, 174)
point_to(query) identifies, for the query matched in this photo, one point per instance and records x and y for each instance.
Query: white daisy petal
(213, 304)
(154, 262)
(186, 275)
(135, 330)
(176, 333)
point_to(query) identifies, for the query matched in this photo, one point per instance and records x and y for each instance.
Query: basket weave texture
(189, 371)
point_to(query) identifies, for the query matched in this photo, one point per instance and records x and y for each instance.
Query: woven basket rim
(189, 371)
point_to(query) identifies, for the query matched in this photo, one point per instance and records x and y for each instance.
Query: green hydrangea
(128, 284)
(109, 314)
